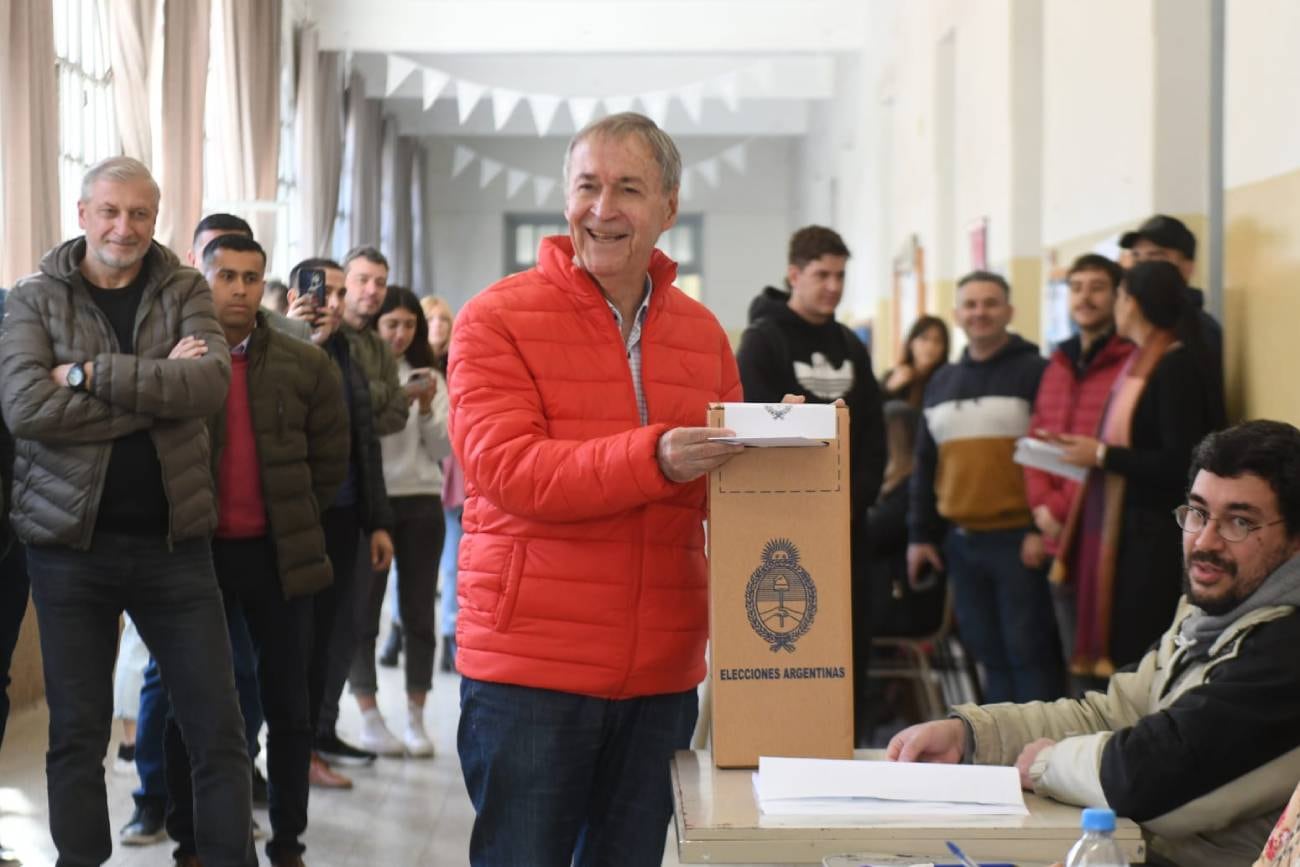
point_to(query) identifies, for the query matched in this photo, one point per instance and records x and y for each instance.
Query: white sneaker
(417, 741)
(376, 737)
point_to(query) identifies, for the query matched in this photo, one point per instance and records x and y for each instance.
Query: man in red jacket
(578, 393)
(1071, 399)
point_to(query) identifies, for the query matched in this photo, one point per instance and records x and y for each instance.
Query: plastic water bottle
(1097, 846)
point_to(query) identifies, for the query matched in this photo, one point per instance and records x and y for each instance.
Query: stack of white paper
(831, 787)
(1046, 456)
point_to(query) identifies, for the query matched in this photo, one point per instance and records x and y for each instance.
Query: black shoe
(145, 826)
(339, 752)
(260, 797)
(448, 662)
(126, 753)
(392, 647)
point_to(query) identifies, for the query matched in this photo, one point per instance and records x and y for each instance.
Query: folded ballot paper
(833, 787)
(779, 425)
(1045, 456)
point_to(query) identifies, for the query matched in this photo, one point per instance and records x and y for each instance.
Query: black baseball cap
(1163, 231)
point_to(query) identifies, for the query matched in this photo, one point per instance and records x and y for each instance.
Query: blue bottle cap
(1098, 819)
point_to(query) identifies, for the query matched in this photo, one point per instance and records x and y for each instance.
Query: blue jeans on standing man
(1004, 614)
(558, 778)
(447, 569)
(171, 593)
(151, 719)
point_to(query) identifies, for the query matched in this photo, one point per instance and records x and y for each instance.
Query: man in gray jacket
(111, 361)
(1199, 742)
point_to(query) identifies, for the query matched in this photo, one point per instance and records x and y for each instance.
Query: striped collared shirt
(633, 346)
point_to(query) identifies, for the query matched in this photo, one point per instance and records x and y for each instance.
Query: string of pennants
(709, 170)
(544, 106)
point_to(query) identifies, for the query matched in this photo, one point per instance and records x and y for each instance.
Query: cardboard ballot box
(779, 590)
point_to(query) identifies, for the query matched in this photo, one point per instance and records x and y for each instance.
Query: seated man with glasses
(1199, 742)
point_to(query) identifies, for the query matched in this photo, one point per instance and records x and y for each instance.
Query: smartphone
(311, 281)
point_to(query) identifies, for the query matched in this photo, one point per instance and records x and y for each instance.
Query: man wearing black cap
(1167, 239)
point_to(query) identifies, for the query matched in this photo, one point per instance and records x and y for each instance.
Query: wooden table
(717, 822)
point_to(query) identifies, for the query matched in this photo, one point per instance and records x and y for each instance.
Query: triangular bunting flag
(434, 81)
(687, 190)
(737, 156)
(467, 96)
(656, 106)
(541, 189)
(618, 104)
(461, 160)
(503, 104)
(399, 69)
(487, 170)
(692, 99)
(729, 89)
(708, 170)
(515, 178)
(581, 108)
(543, 107)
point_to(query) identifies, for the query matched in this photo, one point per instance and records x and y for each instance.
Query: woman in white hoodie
(414, 479)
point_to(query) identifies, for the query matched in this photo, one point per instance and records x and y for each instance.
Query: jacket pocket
(511, 578)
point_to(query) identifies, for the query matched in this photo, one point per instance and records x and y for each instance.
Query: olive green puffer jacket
(300, 425)
(63, 437)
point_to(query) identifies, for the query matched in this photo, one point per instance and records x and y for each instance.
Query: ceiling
(717, 68)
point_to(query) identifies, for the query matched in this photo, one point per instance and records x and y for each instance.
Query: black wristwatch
(77, 377)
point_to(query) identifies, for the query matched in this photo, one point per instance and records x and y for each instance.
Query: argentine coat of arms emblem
(781, 598)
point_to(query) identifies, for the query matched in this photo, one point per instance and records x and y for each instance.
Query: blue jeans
(450, 563)
(559, 779)
(1004, 614)
(155, 708)
(173, 598)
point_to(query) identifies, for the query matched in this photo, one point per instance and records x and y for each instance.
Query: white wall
(1099, 98)
(747, 219)
(1261, 124)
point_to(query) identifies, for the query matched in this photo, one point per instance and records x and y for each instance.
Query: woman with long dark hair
(1120, 544)
(925, 351)
(414, 480)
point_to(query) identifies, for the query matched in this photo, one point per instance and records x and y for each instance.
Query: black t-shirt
(134, 502)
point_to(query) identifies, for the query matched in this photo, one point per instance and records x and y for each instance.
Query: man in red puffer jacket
(579, 391)
(1072, 398)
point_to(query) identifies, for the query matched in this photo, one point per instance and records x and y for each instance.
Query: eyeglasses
(1234, 529)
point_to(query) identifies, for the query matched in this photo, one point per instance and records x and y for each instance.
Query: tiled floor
(401, 812)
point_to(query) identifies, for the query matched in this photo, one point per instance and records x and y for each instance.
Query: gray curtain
(29, 145)
(421, 224)
(398, 198)
(134, 26)
(365, 134)
(318, 144)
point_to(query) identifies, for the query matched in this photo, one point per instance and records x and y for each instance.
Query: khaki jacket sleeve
(329, 434)
(166, 388)
(388, 397)
(35, 407)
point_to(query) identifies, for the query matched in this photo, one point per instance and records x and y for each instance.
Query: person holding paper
(579, 391)
(1075, 388)
(1117, 547)
(968, 496)
(794, 346)
(1199, 741)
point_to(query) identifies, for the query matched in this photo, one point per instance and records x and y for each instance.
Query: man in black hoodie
(794, 346)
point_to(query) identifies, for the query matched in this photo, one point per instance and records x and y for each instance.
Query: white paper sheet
(771, 442)
(845, 787)
(1046, 456)
(771, 421)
